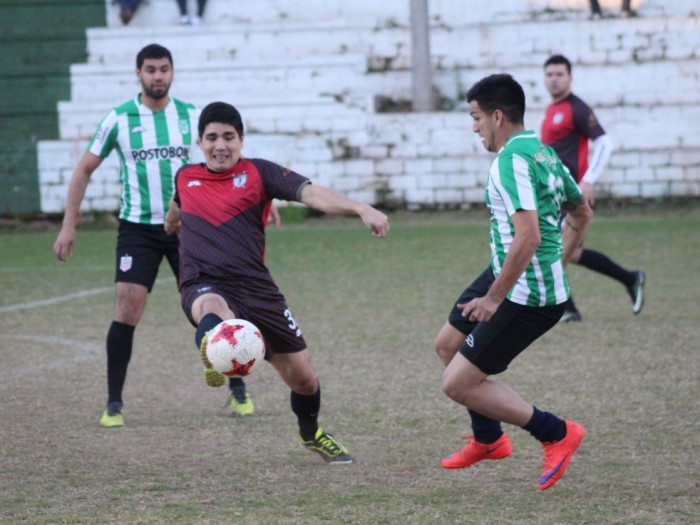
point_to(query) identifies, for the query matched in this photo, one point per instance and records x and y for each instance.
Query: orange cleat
(475, 451)
(558, 454)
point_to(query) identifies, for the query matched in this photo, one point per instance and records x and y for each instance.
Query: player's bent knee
(211, 303)
(130, 303)
(305, 385)
(455, 388)
(303, 379)
(444, 353)
(447, 343)
(450, 388)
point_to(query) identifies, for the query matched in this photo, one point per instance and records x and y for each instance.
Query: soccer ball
(235, 347)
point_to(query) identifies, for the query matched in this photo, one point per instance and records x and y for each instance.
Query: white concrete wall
(306, 80)
(370, 13)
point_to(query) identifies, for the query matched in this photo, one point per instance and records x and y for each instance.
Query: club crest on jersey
(125, 263)
(558, 118)
(184, 126)
(240, 179)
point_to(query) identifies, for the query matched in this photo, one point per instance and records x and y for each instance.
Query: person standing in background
(185, 18)
(597, 13)
(127, 9)
(569, 124)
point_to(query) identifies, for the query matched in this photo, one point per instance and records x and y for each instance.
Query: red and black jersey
(222, 234)
(567, 127)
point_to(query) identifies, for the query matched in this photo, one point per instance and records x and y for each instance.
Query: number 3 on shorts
(292, 322)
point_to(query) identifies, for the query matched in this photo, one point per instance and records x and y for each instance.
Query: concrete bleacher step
(370, 13)
(212, 42)
(505, 44)
(308, 75)
(284, 116)
(654, 46)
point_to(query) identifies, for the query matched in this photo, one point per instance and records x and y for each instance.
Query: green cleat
(242, 408)
(112, 416)
(211, 376)
(328, 448)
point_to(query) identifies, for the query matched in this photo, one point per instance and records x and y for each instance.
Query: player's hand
(172, 221)
(63, 247)
(479, 309)
(376, 221)
(172, 226)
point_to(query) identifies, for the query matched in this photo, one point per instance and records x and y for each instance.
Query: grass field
(369, 310)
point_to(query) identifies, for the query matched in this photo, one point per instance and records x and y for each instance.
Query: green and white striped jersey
(527, 175)
(151, 147)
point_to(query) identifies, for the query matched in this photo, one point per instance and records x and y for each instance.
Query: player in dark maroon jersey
(219, 209)
(569, 124)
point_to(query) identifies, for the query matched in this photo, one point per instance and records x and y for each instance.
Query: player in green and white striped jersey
(524, 167)
(152, 135)
(522, 294)
(152, 146)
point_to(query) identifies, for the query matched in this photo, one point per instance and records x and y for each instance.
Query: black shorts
(262, 304)
(491, 346)
(140, 250)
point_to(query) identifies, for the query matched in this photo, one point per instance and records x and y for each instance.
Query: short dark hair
(153, 51)
(499, 91)
(559, 59)
(222, 113)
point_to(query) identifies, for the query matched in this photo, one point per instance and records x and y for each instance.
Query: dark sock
(306, 409)
(545, 427)
(120, 341)
(486, 430)
(237, 387)
(206, 323)
(601, 263)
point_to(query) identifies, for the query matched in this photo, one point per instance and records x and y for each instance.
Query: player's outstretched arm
(328, 201)
(65, 241)
(172, 218)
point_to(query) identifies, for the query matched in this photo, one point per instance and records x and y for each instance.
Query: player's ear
(498, 117)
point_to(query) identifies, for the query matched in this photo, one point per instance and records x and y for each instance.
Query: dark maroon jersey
(222, 234)
(568, 126)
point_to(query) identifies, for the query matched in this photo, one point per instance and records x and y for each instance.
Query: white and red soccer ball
(235, 347)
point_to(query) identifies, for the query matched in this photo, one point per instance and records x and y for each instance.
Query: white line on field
(54, 300)
(87, 352)
(62, 298)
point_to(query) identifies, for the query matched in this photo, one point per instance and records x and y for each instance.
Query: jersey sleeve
(105, 138)
(585, 120)
(280, 182)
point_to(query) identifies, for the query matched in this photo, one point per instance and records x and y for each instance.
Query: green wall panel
(39, 40)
